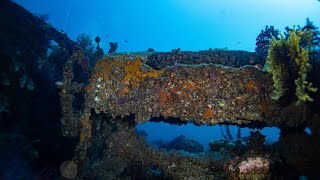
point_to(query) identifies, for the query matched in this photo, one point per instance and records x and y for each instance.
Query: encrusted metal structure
(101, 114)
(123, 91)
(203, 93)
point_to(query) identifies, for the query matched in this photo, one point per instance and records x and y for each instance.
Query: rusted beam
(160, 60)
(204, 93)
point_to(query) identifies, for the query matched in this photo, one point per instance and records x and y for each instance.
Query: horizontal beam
(204, 94)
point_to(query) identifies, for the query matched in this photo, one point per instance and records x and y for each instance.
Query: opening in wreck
(196, 139)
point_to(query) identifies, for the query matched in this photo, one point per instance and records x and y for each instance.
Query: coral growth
(134, 75)
(91, 55)
(250, 85)
(85, 129)
(310, 40)
(288, 63)
(113, 47)
(99, 53)
(209, 113)
(263, 40)
(256, 167)
(85, 42)
(123, 85)
(274, 66)
(68, 88)
(301, 57)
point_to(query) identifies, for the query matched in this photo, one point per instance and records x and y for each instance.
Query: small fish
(258, 66)
(126, 41)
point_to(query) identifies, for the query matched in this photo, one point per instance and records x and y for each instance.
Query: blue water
(203, 134)
(168, 24)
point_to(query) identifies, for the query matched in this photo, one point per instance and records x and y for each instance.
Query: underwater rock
(181, 143)
(228, 147)
(133, 152)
